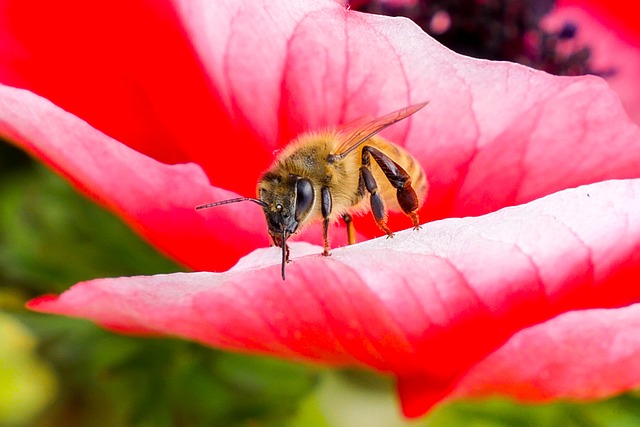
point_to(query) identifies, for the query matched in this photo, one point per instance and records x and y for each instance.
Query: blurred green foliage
(623, 411)
(50, 237)
(56, 371)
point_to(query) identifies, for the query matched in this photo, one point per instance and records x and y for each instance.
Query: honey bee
(326, 175)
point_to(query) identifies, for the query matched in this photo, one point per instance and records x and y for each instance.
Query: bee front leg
(277, 241)
(326, 206)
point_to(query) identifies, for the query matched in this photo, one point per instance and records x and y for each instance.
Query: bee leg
(377, 205)
(400, 180)
(351, 231)
(326, 205)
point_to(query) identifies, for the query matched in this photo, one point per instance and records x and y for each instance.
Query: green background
(56, 371)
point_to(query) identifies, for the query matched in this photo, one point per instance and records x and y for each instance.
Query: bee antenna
(239, 199)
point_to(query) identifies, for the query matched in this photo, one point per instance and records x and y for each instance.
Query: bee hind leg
(377, 205)
(400, 180)
(415, 220)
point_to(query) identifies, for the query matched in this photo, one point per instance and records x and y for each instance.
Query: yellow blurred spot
(26, 383)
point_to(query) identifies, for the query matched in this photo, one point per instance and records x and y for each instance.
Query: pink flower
(154, 108)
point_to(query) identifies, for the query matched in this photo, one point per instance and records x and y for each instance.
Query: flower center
(504, 30)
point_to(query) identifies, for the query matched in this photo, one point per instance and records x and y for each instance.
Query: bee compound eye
(304, 197)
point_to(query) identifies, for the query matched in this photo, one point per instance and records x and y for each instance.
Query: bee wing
(351, 127)
(366, 130)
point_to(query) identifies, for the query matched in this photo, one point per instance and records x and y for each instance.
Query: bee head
(287, 204)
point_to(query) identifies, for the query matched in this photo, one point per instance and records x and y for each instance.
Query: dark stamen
(505, 30)
(568, 31)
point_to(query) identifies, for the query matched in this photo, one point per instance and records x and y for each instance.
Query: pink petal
(493, 134)
(426, 306)
(98, 64)
(126, 67)
(584, 354)
(156, 199)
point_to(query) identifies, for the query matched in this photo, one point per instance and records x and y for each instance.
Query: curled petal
(155, 199)
(585, 354)
(425, 306)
